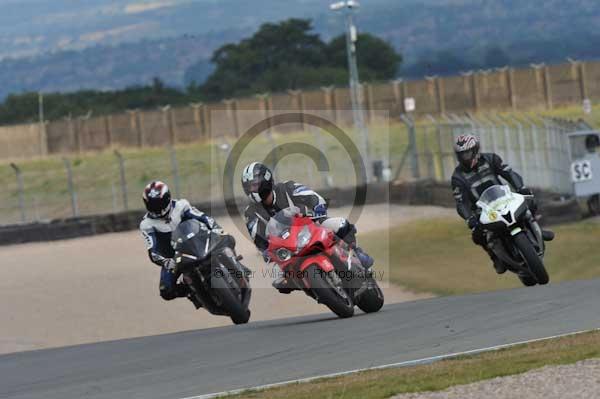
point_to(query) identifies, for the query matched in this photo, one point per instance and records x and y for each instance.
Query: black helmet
(466, 147)
(257, 181)
(157, 199)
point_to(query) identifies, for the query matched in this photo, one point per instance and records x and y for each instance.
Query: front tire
(594, 205)
(533, 261)
(372, 300)
(231, 302)
(528, 281)
(329, 291)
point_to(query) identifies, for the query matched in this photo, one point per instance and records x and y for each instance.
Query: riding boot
(498, 264)
(547, 235)
(365, 260)
(282, 285)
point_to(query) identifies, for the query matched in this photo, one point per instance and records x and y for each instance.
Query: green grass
(438, 256)
(380, 384)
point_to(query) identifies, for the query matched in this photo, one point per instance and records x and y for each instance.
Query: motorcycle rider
(268, 198)
(163, 216)
(476, 172)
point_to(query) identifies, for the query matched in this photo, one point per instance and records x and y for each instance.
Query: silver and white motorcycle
(513, 233)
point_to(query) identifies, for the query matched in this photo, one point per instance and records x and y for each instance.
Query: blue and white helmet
(257, 181)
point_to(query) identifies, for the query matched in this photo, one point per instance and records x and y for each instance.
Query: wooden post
(328, 99)
(439, 86)
(167, 118)
(404, 92)
(582, 81)
(470, 84)
(198, 122)
(547, 88)
(74, 133)
(43, 138)
(397, 95)
(510, 85)
(134, 124)
(298, 100)
(370, 103)
(232, 112)
(206, 121)
(108, 129)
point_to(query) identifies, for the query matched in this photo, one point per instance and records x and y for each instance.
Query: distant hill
(111, 44)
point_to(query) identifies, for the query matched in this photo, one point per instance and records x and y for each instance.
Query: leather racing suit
(157, 235)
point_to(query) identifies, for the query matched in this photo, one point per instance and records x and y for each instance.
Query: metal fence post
(175, 171)
(114, 197)
(521, 142)
(412, 144)
(123, 179)
(71, 187)
(20, 190)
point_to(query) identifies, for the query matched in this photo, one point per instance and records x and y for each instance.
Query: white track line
(385, 366)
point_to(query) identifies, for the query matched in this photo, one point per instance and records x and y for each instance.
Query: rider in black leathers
(269, 198)
(473, 175)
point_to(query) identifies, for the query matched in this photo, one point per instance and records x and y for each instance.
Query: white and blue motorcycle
(513, 234)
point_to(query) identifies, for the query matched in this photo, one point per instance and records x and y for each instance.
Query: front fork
(534, 233)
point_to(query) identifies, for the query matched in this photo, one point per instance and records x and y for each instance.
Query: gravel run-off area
(575, 381)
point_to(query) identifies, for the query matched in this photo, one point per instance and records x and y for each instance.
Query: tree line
(278, 57)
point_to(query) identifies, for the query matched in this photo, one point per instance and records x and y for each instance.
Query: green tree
(376, 58)
(288, 55)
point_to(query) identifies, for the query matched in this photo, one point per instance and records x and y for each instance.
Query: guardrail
(425, 192)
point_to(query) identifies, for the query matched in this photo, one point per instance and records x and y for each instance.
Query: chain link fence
(110, 182)
(537, 148)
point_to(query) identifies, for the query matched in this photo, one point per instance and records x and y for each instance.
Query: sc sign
(581, 171)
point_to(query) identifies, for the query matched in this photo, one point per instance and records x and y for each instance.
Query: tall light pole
(356, 96)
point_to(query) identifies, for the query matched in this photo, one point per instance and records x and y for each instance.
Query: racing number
(581, 171)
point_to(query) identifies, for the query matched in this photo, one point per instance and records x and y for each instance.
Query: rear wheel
(372, 299)
(533, 261)
(230, 295)
(594, 205)
(328, 289)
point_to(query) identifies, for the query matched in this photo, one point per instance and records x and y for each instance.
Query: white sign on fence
(581, 171)
(587, 106)
(409, 104)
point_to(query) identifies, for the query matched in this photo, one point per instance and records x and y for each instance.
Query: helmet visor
(254, 185)
(466, 158)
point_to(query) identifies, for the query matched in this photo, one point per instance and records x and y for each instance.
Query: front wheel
(533, 261)
(328, 289)
(230, 296)
(527, 280)
(594, 205)
(372, 299)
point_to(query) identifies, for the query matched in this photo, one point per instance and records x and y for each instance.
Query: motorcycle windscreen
(492, 194)
(193, 238)
(279, 225)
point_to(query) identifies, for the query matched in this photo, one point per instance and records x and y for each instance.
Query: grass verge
(443, 374)
(438, 256)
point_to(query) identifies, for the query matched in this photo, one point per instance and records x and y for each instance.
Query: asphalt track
(212, 360)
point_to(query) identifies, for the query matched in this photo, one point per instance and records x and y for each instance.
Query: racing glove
(170, 265)
(473, 222)
(525, 191)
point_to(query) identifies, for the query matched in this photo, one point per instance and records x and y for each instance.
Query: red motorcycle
(314, 260)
